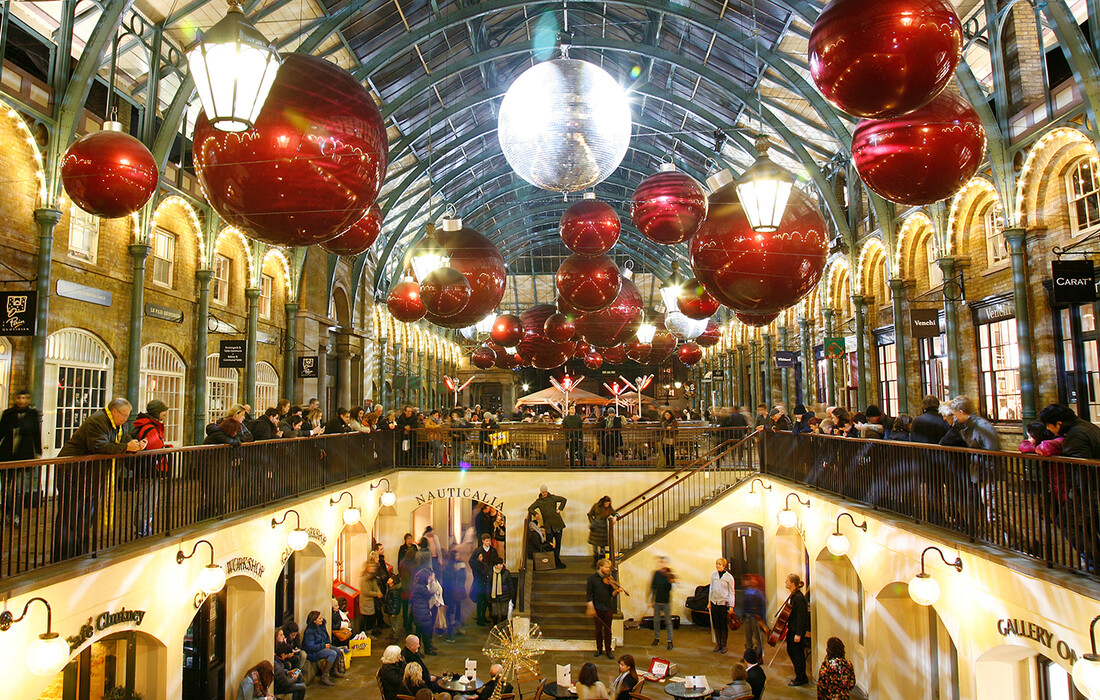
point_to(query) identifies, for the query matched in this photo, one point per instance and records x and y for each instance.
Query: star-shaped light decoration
(516, 645)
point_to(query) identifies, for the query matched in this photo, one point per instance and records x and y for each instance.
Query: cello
(779, 628)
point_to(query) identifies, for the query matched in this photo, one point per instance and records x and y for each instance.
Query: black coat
(20, 434)
(929, 427)
(1082, 439)
(217, 436)
(798, 624)
(482, 563)
(757, 678)
(390, 677)
(264, 429)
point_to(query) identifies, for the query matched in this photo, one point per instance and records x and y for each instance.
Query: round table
(556, 691)
(678, 690)
(457, 686)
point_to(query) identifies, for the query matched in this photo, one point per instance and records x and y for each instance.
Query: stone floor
(692, 653)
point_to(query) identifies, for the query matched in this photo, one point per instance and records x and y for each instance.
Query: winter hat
(156, 407)
(544, 489)
(799, 409)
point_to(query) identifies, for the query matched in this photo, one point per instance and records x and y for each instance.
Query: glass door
(204, 651)
(1078, 360)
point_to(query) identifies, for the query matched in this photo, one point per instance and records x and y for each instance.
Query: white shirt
(722, 589)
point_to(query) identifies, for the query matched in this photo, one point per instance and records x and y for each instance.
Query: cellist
(798, 627)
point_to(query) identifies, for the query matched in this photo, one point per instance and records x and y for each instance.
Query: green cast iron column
(253, 297)
(859, 306)
(830, 369)
(198, 432)
(290, 356)
(139, 252)
(46, 219)
(785, 377)
(767, 395)
(951, 320)
(809, 371)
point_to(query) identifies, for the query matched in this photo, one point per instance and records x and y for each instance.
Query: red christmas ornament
(507, 330)
(588, 284)
(711, 336)
(695, 301)
(758, 320)
(309, 168)
(444, 292)
(589, 227)
(109, 173)
(615, 324)
(924, 156)
(615, 355)
(507, 360)
(690, 353)
(559, 328)
(759, 272)
(483, 357)
(582, 350)
(593, 360)
(480, 261)
(638, 351)
(536, 349)
(404, 302)
(880, 59)
(668, 207)
(360, 237)
(662, 347)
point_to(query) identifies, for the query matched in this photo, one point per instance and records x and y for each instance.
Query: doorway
(120, 666)
(79, 376)
(284, 594)
(743, 548)
(204, 651)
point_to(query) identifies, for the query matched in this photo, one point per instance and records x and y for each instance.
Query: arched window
(163, 374)
(1083, 191)
(267, 388)
(79, 377)
(221, 389)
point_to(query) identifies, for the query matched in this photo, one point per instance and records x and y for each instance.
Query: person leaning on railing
(1080, 439)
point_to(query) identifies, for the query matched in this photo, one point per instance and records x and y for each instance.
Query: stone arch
(966, 218)
(840, 608)
(341, 306)
(1057, 146)
(231, 233)
(836, 268)
(275, 260)
(910, 639)
(911, 236)
(29, 155)
(195, 240)
(248, 630)
(871, 272)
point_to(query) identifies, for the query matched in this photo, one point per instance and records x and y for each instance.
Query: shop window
(83, 235)
(162, 378)
(999, 369)
(221, 389)
(886, 354)
(821, 374)
(1083, 189)
(164, 257)
(220, 291)
(80, 370)
(267, 388)
(266, 283)
(1078, 353)
(996, 247)
(1055, 682)
(932, 251)
(934, 375)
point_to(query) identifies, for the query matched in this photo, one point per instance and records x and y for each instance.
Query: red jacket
(152, 430)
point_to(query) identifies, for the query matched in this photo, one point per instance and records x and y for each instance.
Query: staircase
(658, 509)
(559, 597)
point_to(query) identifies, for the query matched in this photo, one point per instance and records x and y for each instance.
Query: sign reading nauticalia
(459, 492)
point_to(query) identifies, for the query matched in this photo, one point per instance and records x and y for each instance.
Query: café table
(678, 690)
(558, 691)
(456, 685)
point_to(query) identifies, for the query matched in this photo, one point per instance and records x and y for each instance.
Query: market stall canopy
(554, 397)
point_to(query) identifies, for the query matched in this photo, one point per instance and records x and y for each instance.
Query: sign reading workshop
(924, 323)
(231, 354)
(1074, 281)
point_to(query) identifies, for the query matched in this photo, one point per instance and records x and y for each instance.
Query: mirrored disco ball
(564, 125)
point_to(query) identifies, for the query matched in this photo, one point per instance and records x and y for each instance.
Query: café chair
(636, 694)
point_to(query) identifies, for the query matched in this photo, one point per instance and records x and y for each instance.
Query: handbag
(342, 635)
(441, 618)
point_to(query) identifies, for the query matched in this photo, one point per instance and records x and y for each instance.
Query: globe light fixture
(564, 125)
(296, 539)
(646, 331)
(923, 589)
(212, 577)
(672, 288)
(763, 190)
(1086, 671)
(351, 514)
(756, 498)
(837, 543)
(233, 66)
(787, 517)
(48, 654)
(429, 256)
(388, 497)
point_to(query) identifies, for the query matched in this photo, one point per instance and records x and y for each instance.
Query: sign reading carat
(1074, 281)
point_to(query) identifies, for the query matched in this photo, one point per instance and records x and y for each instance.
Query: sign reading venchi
(460, 492)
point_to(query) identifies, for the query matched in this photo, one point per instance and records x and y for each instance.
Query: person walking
(572, 425)
(660, 594)
(600, 517)
(837, 678)
(754, 610)
(720, 600)
(600, 605)
(668, 437)
(551, 506)
(20, 439)
(798, 627)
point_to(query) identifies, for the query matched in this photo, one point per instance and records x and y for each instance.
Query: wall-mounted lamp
(296, 539)
(388, 497)
(212, 576)
(787, 517)
(352, 514)
(756, 498)
(837, 543)
(923, 589)
(1086, 671)
(48, 654)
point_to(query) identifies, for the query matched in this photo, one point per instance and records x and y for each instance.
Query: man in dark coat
(20, 439)
(339, 424)
(266, 427)
(755, 673)
(929, 427)
(551, 507)
(1081, 439)
(482, 562)
(573, 425)
(406, 423)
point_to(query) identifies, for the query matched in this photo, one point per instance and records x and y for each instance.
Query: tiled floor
(692, 653)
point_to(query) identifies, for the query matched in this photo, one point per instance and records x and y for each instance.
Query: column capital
(47, 216)
(252, 293)
(828, 313)
(140, 251)
(803, 323)
(204, 275)
(291, 307)
(858, 299)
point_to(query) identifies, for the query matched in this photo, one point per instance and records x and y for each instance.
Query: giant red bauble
(924, 156)
(483, 357)
(615, 355)
(617, 323)
(309, 168)
(478, 258)
(759, 272)
(536, 349)
(404, 302)
(690, 353)
(638, 351)
(559, 328)
(593, 360)
(661, 347)
(883, 58)
(588, 284)
(758, 320)
(668, 207)
(711, 336)
(507, 330)
(444, 292)
(695, 301)
(589, 227)
(582, 350)
(109, 173)
(360, 237)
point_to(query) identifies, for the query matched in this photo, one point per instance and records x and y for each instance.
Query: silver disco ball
(683, 327)
(564, 125)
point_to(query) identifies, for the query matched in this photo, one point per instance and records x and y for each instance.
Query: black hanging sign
(231, 354)
(1074, 281)
(307, 367)
(785, 358)
(19, 313)
(924, 323)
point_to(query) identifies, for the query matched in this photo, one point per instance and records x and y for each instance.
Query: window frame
(932, 252)
(1075, 229)
(885, 366)
(159, 235)
(89, 226)
(992, 222)
(221, 299)
(267, 288)
(989, 378)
